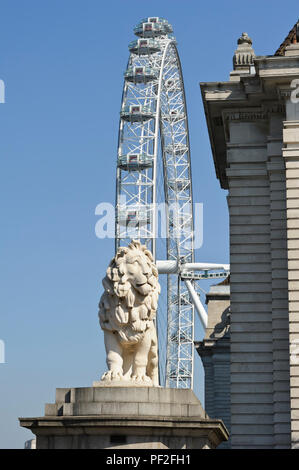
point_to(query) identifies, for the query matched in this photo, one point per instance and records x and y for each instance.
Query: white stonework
(127, 312)
(254, 132)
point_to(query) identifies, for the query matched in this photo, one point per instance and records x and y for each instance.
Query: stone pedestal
(125, 418)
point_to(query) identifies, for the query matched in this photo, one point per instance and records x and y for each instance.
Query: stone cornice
(253, 98)
(209, 347)
(280, 67)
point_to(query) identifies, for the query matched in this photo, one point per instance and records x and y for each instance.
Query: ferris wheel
(154, 184)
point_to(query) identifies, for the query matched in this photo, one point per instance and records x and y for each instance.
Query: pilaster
(251, 282)
(279, 273)
(291, 157)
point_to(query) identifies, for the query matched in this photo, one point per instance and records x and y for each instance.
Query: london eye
(154, 186)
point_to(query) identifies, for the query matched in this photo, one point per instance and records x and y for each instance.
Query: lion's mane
(123, 309)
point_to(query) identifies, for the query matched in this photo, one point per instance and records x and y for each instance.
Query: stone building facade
(253, 123)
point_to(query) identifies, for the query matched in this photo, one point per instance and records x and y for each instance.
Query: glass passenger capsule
(153, 26)
(179, 184)
(180, 222)
(177, 149)
(133, 162)
(181, 372)
(174, 116)
(144, 46)
(172, 37)
(173, 85)
(134, 216)
(140, 74)
(136, 113)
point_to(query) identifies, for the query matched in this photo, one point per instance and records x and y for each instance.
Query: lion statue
(127, 310)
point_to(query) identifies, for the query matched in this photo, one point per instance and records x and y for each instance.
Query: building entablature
(251, 95)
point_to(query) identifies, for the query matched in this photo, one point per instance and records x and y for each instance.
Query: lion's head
(131, 292)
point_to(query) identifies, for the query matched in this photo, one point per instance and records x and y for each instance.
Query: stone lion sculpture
(127, 310)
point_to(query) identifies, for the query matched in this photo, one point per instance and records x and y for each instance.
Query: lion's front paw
(112, 375)
(141, 378)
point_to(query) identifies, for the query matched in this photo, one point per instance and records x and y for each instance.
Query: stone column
(279, 274)
(251, 283)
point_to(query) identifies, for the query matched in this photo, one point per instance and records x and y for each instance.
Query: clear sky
(62, 62)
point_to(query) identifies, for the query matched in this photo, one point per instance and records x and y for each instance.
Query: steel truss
(153, 114)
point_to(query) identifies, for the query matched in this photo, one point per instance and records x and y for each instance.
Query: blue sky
(62, 63)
